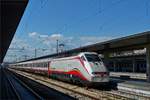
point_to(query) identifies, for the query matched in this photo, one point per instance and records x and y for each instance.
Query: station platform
(128, 75)
(133, 86)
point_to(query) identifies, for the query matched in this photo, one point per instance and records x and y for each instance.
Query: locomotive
(85, 68)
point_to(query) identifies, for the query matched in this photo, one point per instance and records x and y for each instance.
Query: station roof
(11, 12)
(132, 42)
(136, 41)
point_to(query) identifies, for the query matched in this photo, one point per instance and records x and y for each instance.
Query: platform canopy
(132, 42)
(11, 12)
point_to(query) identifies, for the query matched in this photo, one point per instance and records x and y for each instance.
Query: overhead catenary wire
(147, 4)
(67, 26)
(100, 11)
(32, 13)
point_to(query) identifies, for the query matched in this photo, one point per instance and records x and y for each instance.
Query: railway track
(81, 92)
(35, 91)
(13, 88)
(19, 89)
(7, 89)
(124, 95)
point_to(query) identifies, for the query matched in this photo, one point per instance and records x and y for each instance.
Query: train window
(44, 64)
(37, 65)
(92, 57)
(82, 57)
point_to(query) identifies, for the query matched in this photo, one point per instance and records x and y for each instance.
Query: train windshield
(95, 63)
(92, 58)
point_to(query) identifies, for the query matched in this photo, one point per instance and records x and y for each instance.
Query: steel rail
(11, 84)
(100, 94)
(66, 88)
(27, 87)
(121, 92)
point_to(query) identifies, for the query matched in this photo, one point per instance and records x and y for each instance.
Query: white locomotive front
(84, 67)
(98, 71)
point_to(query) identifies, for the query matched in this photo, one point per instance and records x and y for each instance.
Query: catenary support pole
(148, 62)
(134, 65)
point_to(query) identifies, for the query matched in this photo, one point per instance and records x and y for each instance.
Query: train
(84, 68)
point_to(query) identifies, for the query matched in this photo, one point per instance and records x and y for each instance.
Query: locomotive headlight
(108, 73)
(102, 74)
(91, 64)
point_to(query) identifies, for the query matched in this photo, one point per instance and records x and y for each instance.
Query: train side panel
(69, 69)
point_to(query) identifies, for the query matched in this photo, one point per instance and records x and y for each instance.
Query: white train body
(80, 67)
(84, 67)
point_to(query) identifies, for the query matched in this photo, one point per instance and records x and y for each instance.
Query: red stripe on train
(72, 72)
(76, 73)
(81, 61)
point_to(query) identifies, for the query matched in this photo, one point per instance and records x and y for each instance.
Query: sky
(75, 23)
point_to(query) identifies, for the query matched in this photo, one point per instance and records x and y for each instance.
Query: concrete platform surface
(138, 87)
(131, 75)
